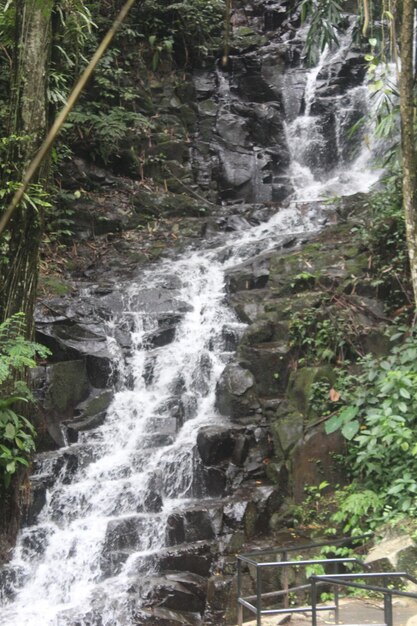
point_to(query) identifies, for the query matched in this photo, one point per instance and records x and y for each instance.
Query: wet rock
(215, 444)
(123, 536)
(37, 500)
(165, 617)
(235, 394)
(89, 414)
(171, 593)
(240, 449)
(253, 275)
(11, 579)
(269, 366)
(175, 531)
(100, 369)
(68, 385)
(211, 482)
(197, 558)
(34, 541)
(199, 525)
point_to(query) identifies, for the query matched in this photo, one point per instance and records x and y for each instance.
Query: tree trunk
(407, 111)
(20, 245)
(28, 120)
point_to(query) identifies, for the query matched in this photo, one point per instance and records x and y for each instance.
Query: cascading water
(77, 564)
(327, 159)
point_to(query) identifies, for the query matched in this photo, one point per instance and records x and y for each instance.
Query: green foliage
(324, 18)
(359, 510)
(383, 236)
(104, 131)
(74, 25)
(380, 422)
(322, 333)
(187, 28)
(16, 432)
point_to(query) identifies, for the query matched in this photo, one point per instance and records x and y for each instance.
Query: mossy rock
(300, 384)
(287, 431)
(148, 205)
(269, 364)
(244, 38)
(67, 386)
(54, 285)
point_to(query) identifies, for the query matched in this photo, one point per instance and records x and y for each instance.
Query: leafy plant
(16, 432)
(379, 420)
(383, 236)
(324, 18)
(104, 131)
(192, 27)
(322, 334)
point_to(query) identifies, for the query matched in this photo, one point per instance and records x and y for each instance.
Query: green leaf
(11, 467)
(405, 393)
(350, 429)
(333, 424)
(10, 431)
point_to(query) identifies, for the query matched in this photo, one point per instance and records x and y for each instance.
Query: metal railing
(283, 564)
(348, 580)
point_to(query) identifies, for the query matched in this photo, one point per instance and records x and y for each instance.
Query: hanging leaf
(334, 395)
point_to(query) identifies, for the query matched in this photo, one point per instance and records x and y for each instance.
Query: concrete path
(353, 612)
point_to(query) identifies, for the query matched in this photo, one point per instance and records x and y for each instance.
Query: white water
(66, 583)
(312, 176)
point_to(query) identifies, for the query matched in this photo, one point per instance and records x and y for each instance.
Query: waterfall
(102, 524)
(327, 159)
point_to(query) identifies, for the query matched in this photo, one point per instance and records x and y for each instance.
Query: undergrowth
(372, 401)
(17, 434)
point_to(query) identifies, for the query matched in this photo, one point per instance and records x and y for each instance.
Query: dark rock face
(242, 146)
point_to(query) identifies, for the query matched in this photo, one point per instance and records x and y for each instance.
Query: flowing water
(71, 563)
(327, 159)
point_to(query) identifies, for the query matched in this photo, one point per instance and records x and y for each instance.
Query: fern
(17, 434)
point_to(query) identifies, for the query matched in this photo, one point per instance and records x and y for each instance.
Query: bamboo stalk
(60, 120)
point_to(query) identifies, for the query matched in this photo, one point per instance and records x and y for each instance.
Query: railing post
(239, 590)
(258, 596)
(388, 608)
(336, 603)
(313, 601)
(285, 580)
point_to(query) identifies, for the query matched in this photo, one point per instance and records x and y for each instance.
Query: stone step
(178, 591)
(159, 616)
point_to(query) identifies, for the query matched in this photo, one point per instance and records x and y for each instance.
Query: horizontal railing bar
(348, 583)
(307, 546)
(375, 574)
(247, 605)
(281, 592)
(306, 562)
(301, 609)
(246, 559)
(364, 575)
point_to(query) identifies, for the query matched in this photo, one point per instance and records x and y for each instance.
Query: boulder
(236, 393)
(395, 552)
(215, 444)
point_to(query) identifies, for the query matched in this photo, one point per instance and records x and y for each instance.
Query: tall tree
(408, 139)
(28, 126)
